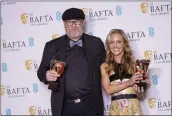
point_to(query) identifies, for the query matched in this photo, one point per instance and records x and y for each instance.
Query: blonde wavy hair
(128, 61)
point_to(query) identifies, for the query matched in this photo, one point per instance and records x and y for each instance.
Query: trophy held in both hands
(142, 67)
(57, 66)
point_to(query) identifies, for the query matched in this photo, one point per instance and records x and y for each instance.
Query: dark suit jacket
(96, 55)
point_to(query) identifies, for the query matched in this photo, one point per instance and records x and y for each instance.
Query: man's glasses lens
(77, 22)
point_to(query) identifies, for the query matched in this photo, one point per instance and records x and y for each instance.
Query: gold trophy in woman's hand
(142, 67)
(57, 66)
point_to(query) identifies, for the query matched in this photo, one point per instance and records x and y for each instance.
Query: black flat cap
(73, 13)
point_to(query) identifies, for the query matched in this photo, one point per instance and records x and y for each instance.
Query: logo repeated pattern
(24, 35)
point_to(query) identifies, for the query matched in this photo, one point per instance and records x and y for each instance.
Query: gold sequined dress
(124, 102)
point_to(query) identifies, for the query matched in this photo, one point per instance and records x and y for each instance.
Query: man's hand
(52, 75)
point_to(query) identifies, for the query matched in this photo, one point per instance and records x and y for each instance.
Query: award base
(142, 67)
(58, 67)
(142, 84)
(53, 86)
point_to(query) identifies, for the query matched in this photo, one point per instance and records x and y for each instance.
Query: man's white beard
(76, 35)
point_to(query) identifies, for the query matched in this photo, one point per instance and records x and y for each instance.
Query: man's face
(74, 28)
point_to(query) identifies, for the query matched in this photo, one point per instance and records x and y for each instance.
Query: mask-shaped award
(57, 66)
(142, 67)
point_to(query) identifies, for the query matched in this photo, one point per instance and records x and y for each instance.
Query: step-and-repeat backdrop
(27, 26)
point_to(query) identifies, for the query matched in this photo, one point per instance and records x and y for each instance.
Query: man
(79, 89)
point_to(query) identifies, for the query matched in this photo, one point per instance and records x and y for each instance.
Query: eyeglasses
(76, 22)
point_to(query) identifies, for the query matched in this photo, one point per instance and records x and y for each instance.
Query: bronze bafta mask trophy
(142, 67)
(57, 66)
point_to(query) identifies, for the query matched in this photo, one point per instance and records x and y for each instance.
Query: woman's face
(116, 44)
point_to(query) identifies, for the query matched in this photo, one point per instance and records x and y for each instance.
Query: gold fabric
(125, 106)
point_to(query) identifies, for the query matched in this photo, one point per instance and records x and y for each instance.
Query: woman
(119, 75)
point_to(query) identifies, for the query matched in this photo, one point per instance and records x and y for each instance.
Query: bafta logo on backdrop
(31, 65)
(32, 110)
(148, 55)
(144, 7)
(155, 8)
(85, 10)
(152, 102)
(3, 90)
(28, 64)
(54, 36)
(24, 18)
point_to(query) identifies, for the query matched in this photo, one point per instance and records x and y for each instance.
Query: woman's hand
(140, 89)
(136, 78)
